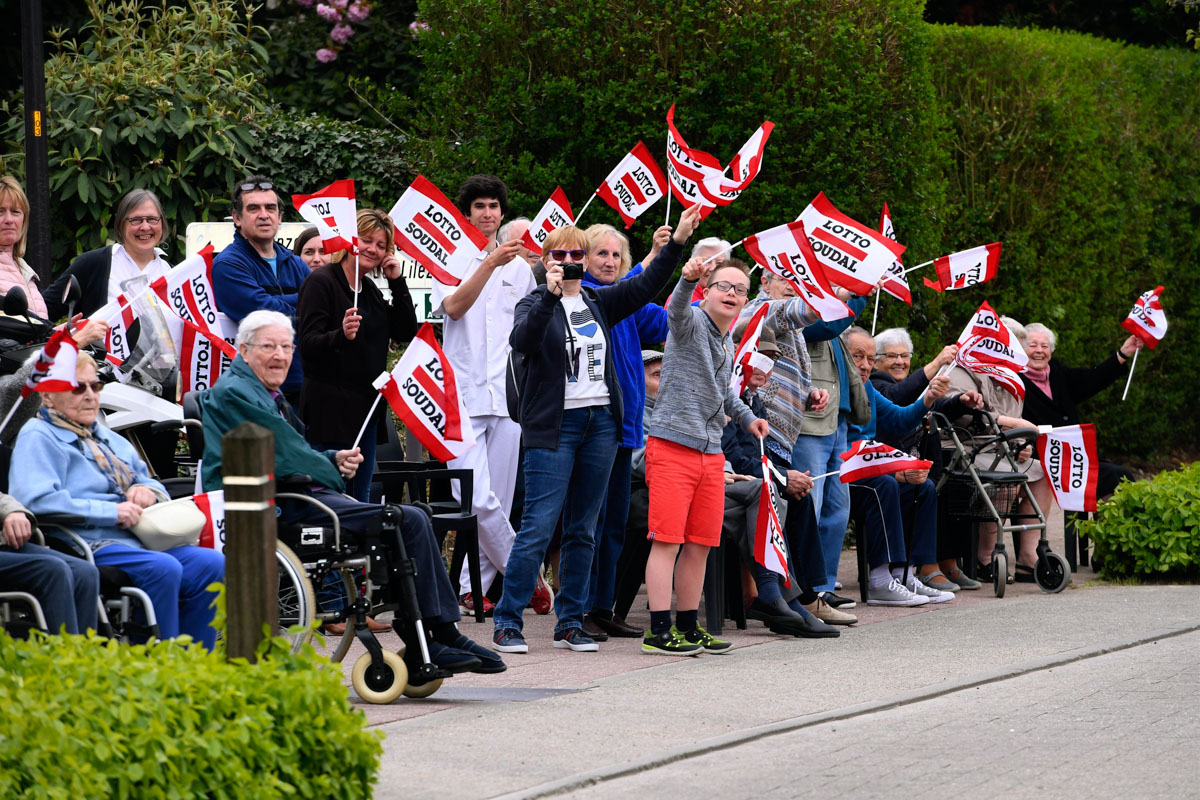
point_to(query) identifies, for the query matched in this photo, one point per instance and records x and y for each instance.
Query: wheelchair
(975, 494)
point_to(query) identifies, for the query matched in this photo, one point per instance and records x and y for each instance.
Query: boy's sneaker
(710, 643)
(921, 590)
(466, 605)
(670, 643)
(542, 601)
(509, 640)
(575, 639)
(894, 594)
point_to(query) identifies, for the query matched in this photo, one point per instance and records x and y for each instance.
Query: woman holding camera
(570, 414)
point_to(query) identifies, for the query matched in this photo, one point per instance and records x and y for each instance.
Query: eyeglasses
(259, 185)
(870, 359)
(136, 221)
(726, 286)
(285, 348)
(95, 386)
(561, 255)
(896, 357)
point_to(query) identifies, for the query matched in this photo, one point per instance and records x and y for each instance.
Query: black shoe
(489, 662)
(771, 612)
(812, 628)
(837, 601)
(451, 659)
(593, 630)
(615, 626)
(1024, 574)
(983, 572)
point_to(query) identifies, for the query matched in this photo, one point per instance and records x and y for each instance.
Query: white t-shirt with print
(587, 349)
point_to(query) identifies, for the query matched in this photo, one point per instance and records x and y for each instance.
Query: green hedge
(90, 718)
(1150, 529)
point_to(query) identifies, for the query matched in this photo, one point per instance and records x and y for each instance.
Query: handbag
(170, 524)
(514, 383)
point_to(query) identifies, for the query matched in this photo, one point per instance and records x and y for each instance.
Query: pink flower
(325, 55)
(341, 3)
(341, 33)
(358, 12)
(417, 26)
(328, 13)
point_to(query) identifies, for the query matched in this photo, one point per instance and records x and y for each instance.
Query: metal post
(251, 578)
(37, 127)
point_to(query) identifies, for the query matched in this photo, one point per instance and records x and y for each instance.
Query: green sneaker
(670, 643)
(710, 643)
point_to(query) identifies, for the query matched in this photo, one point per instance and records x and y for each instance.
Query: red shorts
(687, 493)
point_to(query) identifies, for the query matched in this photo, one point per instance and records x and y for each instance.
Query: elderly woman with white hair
(893, 358)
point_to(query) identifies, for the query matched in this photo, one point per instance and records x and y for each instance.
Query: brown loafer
(617, 627)
(592, 629)
(333, 628)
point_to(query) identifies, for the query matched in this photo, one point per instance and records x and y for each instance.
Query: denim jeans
(610, 533)
(887, 511)
(359, 487)
(66, 586)
(570, 479)
(831, 500)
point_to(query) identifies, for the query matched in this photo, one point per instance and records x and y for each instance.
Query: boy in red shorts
(684, 462)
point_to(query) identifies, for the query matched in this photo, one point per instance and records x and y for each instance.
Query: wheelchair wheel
(999, 573)
(424, 690)
(297, 603)
(383, 684)
(1052, 573)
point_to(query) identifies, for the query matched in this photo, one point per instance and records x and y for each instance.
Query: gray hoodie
(694, 395)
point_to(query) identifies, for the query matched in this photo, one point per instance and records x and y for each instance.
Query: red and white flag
(54, 370)
(868, 458)
(335, 214)
(747, 162)
(1072, 465)
(770, 549)
(634, 185)
(1147, 320)
(204, 353)
(688, 169)
(212, 504)
(897, 285)
(555, 214)
(747, 357)
(986, 338)
(421, 389)
(120, 316)
(430, 229)
(852, 254)
(187, 290)
(979, 360)
(785, 251)
(966, 268)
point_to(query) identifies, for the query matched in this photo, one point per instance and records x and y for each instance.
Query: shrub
(1150, 529)
(159, 98)
(86, 717)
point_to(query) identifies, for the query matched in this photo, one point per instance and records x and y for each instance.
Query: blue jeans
(831, 500)
(578, 471)
(68, 588)
(610, 533)
(886, 506)
(359, 487)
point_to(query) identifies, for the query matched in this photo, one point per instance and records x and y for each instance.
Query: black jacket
(741, 448)
(91, 269)
(540, 331)
(1069, 386)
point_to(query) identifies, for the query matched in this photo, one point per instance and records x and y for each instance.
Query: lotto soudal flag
(769, 547)
(987, 339)
(212, 504)
(555, 214)
(204, 354)
(966, 268)
(869, 458)
(689, 169)
(785, 252)
(54, 369)
(969, 358)
(1072, 465)
(897, 284)
(1147, 320)
(430, 229)
(120, 316)
(634, 185)
(852, 254)
(335, 214)
(747, 162)
(747, 357)
(187, 290)
(421, 389)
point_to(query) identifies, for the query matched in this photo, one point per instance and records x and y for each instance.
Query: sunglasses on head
(259, 185)
(95, 386)
(560, 255)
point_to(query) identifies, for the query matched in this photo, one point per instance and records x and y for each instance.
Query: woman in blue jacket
(571, 414)
(607, 262)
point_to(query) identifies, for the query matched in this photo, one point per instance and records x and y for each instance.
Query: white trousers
(493, 460)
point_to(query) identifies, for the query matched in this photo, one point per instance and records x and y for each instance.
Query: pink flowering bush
(344, 14)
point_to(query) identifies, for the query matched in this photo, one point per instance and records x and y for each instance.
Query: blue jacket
(53, 472)
(887, 419)
(647, 327)
(824, 331)
(243, 282)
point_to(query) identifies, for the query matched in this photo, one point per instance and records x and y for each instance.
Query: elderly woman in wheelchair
(66, 464)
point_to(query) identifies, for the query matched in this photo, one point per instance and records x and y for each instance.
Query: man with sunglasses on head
(477, 318)
(255, 272)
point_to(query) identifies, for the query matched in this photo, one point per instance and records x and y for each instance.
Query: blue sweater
(888, 419)
(823, 331)
(243, 282)
(647, 327)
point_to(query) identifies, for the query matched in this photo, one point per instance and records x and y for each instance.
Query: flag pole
(668, 222)
(357, 285)
(723, 251)
(370, 414)
(825, 475)
(945, 368)
(875, 316)
(918, 266)
(1128, 380)
(585, 208)
(8, 417)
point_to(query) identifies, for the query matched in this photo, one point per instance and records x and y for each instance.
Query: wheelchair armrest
(175, 425)
(293, 483)
(66, 540)
(61, 520)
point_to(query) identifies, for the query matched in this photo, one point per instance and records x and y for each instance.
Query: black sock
(444, 632)
(660, 622)
(687, 620)
(807, 596)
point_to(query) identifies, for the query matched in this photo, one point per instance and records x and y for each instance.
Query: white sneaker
(894, 594)
(921, 590)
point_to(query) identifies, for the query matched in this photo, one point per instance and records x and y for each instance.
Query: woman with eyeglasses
(67, 462)
(571, 414)
(139, 227)
(344, 347)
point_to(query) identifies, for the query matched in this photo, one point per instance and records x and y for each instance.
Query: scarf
(117, 471)
(1040, 379)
